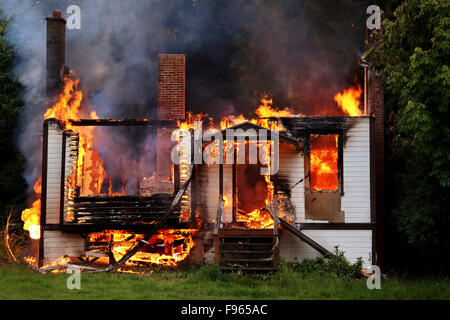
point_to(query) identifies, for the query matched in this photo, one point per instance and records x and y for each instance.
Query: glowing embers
(256, 219)
(166, 248)
(324, 162)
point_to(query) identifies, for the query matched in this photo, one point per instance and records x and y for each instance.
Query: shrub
(336, 265)
(210, 272)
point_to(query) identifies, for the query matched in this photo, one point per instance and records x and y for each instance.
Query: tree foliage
(416, 52)
(12, 183)
(413, 56)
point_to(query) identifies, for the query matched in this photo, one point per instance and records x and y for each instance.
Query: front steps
(247, 250)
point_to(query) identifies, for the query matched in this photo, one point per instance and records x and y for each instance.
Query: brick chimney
(171, 106)
(375, 104)
(56, 41)
(171, 86)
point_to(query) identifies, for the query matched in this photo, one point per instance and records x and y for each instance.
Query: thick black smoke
(299, 52)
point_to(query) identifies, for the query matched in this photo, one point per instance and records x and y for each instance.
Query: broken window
(324, 162)
(323, 189)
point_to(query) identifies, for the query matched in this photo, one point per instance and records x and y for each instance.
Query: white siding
(290, 171)
(54, 160)
(356, 164)
(208, 191)
(354, 243)
(356, 199)
(207, 180)
(58, 244)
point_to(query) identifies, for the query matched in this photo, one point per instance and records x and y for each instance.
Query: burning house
(312, 186)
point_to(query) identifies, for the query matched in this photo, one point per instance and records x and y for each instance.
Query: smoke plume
(299, 52)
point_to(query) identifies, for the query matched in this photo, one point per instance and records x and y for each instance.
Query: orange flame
(90, 168)
(31, 216)
(348, 100)
(323, 162)
(226, 202)
(166, 248)
(257, 219)
(264, 111)
(189, 122)
(89, 164)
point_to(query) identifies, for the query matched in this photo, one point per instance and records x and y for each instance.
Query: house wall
(208, 191)
(57, 244)
(290, 171)
(356, 199)
(54, 165)
(354, 243)
(355, 202)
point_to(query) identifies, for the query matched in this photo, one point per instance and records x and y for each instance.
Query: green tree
(12, 183)
(413, 56)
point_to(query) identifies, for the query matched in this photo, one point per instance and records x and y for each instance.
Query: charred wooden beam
(156, 227)
(176, 178)
(305, 238)
(158, 197)
(122, 209)
(44, 192)
(297, 125)
(125, 122)
(234, 197)
(63, 174)
(137, 227)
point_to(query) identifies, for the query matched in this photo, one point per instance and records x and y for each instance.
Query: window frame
(340, 162)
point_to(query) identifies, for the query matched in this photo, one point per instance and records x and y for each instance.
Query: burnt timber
(161, 222)
(125, 122)
(102, 210)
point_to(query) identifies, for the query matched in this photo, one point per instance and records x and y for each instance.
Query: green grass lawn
(20, 282)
